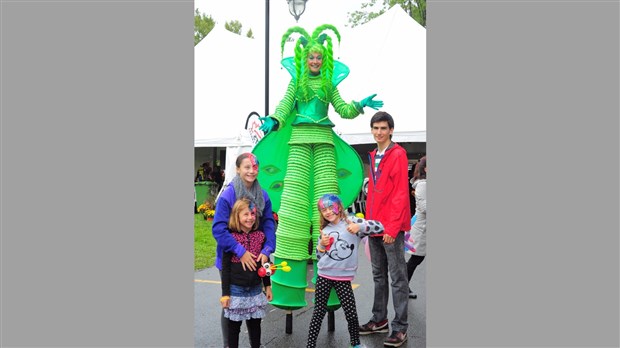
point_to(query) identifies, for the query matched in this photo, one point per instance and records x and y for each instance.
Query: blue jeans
(384, 258)
(245, 291)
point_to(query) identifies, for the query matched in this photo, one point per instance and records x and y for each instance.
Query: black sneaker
(396, 339)
(412, 295)
(372, 327)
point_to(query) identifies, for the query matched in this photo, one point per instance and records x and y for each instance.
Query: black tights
(224, 321)
(347, 302)
(234, 327)
(412, 263)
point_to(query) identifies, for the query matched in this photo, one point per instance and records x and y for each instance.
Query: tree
(203, 24)
(415, 8)
(233, 26)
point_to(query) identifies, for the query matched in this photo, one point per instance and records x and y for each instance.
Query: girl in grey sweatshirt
(337, 263)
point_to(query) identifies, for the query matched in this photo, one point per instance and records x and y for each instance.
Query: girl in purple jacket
(243, 185)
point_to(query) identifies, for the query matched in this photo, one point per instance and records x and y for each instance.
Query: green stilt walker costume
(304, 159)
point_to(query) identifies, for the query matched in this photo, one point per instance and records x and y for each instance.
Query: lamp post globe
(296, 8)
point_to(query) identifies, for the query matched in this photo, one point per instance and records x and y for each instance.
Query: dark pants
(412, 263)
(390, 259)
(234, 327)
(224, 321)
(347, 301)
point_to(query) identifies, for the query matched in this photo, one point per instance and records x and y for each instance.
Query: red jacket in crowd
(388, 191)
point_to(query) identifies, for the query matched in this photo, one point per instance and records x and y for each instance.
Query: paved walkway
(207, 329)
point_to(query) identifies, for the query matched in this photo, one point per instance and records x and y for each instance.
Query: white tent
(393, 65)
(227, 87)
(229, 80)
(232, 151)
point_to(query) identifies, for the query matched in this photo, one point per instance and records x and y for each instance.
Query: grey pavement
(207, 328)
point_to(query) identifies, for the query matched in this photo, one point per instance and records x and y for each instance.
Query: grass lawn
(204, 243)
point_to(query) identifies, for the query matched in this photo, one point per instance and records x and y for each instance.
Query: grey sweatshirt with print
(341, 258)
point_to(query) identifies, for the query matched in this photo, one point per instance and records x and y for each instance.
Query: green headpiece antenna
(317, 42)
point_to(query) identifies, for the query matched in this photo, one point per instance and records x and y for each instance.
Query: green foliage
(418, 12)
(415, 8)
(233, 26)
(204, 243)
(236, 27)
(203, 24)
(363, 16)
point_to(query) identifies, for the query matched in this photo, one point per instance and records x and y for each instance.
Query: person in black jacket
(242, 289)
(216, 176)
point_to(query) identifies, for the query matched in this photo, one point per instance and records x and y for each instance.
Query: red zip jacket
(388, 191)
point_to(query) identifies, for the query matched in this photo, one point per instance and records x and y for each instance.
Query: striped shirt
(378, 158)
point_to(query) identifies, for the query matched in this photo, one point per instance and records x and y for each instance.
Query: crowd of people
(206, 173)
(245, 230)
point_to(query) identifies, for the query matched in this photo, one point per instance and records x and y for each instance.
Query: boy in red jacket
(388, 202)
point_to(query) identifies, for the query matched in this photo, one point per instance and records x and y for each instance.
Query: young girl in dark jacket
(242, 289)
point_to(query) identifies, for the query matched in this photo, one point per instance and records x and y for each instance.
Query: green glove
(375, 104)
(269, 124)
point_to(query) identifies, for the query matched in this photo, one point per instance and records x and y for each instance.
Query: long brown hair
(233, 223)
(419, 172)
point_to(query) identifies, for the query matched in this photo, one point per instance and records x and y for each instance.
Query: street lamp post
(266, 58)
(296, 8)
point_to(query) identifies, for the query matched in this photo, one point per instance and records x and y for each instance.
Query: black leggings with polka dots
(347, 301)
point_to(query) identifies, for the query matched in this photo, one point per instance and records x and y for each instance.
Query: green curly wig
(307, 44)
